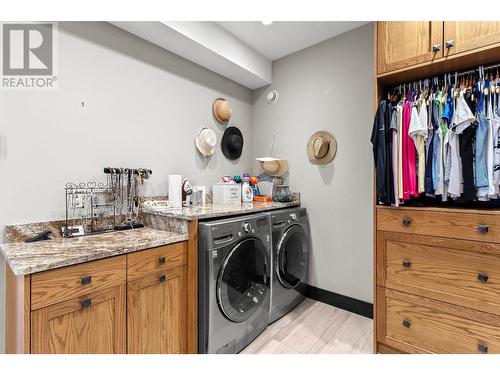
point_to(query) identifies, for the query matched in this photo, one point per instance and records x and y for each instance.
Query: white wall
(328, 86)
(142, 108)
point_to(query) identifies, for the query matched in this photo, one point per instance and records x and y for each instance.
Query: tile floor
(315, 328)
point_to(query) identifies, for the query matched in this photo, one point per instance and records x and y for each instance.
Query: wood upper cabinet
(157, 312)
(402, 44)
(93, 323)
(460, 36)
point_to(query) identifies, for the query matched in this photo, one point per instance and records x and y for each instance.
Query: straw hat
(205, 141)
(222, 110)
(273, 166)
(321, 148)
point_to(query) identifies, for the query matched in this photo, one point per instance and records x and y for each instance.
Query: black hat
(232, 143)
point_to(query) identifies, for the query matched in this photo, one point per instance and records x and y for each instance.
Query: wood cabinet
(461, 36)
(403, 44)
(94, 323)
(156, 312)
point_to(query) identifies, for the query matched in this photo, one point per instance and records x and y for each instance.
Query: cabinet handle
(482, 348)
(450, 43)
(436, 48)
(406, 323)
(162, 260)
(86, 280)
(482, 277)
(406, 263)
(162, 278)
(406, 221)
(482, 228)
(86, 303)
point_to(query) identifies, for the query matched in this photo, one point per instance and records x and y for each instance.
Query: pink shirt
(409, 156)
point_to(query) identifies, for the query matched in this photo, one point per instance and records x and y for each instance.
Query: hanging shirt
(399, 114)
(379, 152)
(409, 156)
(418, 132)
(394, 133)
(488, 191)
(496, 144)
(429, 145)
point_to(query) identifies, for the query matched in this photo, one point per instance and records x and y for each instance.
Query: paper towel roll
(175, 190)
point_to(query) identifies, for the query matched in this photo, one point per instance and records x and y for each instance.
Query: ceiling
(285, 37)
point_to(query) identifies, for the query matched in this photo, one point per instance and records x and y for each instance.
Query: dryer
(234, 282)
(291, 248)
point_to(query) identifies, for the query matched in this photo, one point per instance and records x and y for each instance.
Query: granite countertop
(26, 258)
(211, 210)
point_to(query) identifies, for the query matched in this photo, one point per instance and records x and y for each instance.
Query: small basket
(267, 186)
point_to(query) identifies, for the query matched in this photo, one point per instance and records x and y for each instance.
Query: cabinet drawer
(445, 223)
(459, 272)
(420, 325)
(161, 258)
(62, 284)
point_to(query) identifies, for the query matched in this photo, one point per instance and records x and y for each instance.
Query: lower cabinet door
(156, 313)
(94, 323)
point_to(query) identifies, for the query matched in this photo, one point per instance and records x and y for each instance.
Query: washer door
(291, 260)
(243, 281)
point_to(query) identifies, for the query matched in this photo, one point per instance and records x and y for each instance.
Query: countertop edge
(24, 271)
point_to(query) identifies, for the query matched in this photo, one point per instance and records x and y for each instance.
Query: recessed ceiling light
(267, 23)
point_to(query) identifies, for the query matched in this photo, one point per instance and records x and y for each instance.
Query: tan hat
(321, 148)
(205, 141)
(222, 110)
(273, 166)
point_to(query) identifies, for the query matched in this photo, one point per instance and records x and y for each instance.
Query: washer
(291, 244)
(234, 282)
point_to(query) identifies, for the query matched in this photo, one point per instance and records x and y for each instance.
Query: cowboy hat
(321, 148)
(205, 141)
(273, 166)
(232, 143)
(222, 110)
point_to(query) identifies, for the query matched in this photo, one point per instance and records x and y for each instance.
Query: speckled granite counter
(214, 210)
(26, 258)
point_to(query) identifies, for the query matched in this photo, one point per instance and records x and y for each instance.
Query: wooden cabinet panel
(401, 44)
(54, 286)
(455, 271)
(94, 323)
(161, 258)
(419, 325)
(156, 319)
(460, 224)
(467, 36)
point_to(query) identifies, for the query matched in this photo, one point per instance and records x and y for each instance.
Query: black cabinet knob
(406, 263)
(482, 348)
(406, 221)
(86, 280)
(482, 228)
(86, 303)
(406, 323)
(482, 277)
(162, 260)
(162, 278)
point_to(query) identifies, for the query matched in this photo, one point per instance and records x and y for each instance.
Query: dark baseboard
(342, 302)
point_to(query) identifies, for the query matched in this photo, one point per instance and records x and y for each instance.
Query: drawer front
(417, 325)
(144, 262)
(444, 270)
(469, 226)
(62, 284)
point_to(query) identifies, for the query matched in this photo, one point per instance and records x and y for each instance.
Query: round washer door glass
(243, 281)
(291, 262)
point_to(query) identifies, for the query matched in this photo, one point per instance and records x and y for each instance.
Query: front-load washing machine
(234, 282)
(291, 247)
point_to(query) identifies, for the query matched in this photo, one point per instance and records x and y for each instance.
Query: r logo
(27, 49)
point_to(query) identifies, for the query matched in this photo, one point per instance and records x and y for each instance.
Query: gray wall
(143, 107)
(328, 86)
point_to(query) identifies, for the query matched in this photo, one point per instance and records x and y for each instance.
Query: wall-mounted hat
(232, 143)
(205, 141)
(273, 166)
(321, 148)
(222, 110)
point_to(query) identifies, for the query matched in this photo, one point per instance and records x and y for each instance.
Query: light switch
(3, 147)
